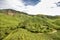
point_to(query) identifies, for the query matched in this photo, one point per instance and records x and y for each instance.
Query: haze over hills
(15, 25)
(34, 7)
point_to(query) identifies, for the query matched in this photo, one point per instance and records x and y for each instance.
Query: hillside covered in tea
(15, 25)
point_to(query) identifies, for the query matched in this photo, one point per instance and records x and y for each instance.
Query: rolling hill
(22, 26)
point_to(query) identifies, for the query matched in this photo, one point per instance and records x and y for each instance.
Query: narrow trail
(53, 32)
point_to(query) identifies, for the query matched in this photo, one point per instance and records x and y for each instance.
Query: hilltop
(22, 26)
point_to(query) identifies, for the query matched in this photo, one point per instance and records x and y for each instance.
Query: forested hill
(15, 25)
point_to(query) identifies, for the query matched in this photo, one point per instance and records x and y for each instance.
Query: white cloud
(44, 7)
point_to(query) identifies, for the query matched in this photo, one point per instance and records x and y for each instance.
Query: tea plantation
(23, 26)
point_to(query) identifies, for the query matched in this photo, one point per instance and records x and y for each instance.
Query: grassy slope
(11, 27)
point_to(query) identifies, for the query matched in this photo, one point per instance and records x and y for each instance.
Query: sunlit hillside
(15, 25)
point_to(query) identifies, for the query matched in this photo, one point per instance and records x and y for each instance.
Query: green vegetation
(22, 26)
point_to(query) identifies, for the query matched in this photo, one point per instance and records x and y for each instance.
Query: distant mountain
(10, 11)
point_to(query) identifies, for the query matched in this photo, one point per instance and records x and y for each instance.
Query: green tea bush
(22, 34)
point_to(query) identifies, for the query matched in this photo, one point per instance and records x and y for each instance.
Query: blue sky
(58, 4)
(31, 2)
(47, 7)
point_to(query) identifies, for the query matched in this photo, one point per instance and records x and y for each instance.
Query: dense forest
(15, 25)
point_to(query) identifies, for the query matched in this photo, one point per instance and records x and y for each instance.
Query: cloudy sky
(47, 7)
